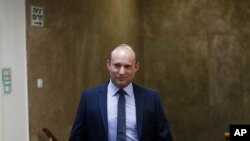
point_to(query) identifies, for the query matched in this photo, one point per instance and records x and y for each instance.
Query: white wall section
(14, 106)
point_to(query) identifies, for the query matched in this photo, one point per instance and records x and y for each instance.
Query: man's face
(122, 67)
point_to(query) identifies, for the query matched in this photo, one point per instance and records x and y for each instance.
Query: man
(120, 110)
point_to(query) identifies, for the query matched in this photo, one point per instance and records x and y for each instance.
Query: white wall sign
(37, 16)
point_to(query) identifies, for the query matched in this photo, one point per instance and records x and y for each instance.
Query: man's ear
(137, 65)
(108, 63)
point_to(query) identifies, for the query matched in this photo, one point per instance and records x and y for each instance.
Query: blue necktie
(121, 117)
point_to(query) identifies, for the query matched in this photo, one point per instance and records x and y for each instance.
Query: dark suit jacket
(91, 123)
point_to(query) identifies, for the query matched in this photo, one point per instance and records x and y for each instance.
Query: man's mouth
(121, 78)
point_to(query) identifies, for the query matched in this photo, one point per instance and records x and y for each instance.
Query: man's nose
(122, 70)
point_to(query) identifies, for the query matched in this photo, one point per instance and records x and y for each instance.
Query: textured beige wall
(52, 55)
(195, 52)
(198, 50)
(107, 23)
(69, 53)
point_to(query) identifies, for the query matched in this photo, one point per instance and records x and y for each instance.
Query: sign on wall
(6, 80)
(37, 16)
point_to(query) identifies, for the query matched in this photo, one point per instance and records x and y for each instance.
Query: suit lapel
(103, 107)
(139, 103)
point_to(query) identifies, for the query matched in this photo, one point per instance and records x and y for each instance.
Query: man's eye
(127, 66)
(117, 65)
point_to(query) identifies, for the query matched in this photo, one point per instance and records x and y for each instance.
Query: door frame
(1, 87)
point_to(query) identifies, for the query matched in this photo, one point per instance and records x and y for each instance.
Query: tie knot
(121, 92)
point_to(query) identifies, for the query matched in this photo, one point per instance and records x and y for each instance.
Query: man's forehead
(123, 63)
(123, 50)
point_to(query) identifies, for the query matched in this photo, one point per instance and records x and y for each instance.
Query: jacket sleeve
(78, 131)
(163, 129)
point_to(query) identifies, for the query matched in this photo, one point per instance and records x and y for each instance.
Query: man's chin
(122, 84)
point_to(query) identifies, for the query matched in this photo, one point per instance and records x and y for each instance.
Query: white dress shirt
(112, 103)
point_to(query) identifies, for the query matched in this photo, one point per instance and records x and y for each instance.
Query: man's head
(122, 65)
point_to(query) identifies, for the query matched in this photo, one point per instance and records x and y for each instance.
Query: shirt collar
(128, 89)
